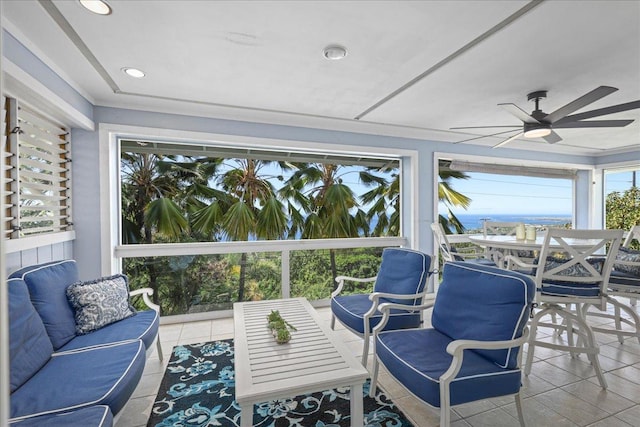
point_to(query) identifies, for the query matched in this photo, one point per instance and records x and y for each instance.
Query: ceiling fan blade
(519, 113)
(552, 138)
(577, 104)
(486, 127)
(508, 140)
(600, 112)
(484, 136)
(593, 124)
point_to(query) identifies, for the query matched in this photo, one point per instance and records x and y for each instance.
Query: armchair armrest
(456, 349)
(146, 293)
(385, 309)
(341, 279)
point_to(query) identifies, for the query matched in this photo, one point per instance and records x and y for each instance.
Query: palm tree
(451, 197)
(326, 207)
(158, 195)
(254, 211)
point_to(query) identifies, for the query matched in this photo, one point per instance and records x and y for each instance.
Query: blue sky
(506, 194)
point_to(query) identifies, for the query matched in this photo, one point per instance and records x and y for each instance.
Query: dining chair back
(573, 269)
(449, 253)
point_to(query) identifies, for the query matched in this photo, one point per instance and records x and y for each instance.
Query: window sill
(32, 242)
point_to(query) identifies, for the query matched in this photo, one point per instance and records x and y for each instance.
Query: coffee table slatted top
(313, 360)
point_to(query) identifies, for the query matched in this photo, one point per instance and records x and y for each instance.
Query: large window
(186, 193)
(472, 193)
(37, 173)
(622, 197)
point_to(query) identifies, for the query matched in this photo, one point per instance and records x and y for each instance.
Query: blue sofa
(59, 378)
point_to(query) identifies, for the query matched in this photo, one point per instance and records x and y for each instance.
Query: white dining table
(500, 246)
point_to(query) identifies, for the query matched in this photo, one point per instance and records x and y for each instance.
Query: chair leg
(533, 329)
(374, 377)
(445, 405)
(333, 322)
(159, 348)
(365, 346)
(519, 409)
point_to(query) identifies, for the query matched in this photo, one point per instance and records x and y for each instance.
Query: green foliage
(623, 210)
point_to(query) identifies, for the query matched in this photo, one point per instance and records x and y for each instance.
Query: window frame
(51, 141)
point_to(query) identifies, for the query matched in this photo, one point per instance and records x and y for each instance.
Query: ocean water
(474, 221)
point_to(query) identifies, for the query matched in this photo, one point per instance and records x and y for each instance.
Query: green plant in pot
(279, 327)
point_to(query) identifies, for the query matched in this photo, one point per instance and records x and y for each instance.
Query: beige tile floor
(560, 391)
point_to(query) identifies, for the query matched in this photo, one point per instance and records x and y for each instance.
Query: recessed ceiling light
(96, 6)
(133, 72)
(334, 52)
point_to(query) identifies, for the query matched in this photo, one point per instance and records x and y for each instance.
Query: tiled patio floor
(560, 391)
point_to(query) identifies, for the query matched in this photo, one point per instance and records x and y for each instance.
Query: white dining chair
(568, 275)
(624, 282)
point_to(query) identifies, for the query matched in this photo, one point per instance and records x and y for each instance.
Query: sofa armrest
(146, 293)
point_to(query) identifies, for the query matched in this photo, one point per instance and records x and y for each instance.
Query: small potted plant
(279, 327)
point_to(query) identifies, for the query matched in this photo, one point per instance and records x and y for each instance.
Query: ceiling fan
(539, 124)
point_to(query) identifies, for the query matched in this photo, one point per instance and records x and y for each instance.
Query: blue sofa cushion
(47, 285)
(629, 255)
(99, 376)
(350, 309)
(100, 302)
(483, 303)
(405, 353)
(143, 326)
(93, 416)
(29, 344)
(402, 271)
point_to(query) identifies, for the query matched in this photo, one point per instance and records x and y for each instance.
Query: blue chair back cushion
(477, 302)
(47, 285)
(29, 345)
(402, 271)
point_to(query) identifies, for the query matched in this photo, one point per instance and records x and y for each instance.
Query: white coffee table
(314, 360)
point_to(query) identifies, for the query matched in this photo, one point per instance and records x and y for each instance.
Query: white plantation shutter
(39, 173)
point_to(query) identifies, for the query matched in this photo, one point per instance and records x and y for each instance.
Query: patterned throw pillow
(628, 255)
(99, 302)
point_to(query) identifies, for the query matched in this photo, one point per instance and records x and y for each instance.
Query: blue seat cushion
(93, 416)
(402, 271)
(559, 288)
(29, 344)
(143, 326)
(73, 380)
(477, 302)
(623, 278)
(47, 285)
(350, 310)
(417, 358)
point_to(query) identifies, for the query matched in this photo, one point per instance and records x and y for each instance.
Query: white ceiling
(262, 61)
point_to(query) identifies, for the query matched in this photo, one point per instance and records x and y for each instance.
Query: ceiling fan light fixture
(537, 133)
(98, 7)
(334, 52)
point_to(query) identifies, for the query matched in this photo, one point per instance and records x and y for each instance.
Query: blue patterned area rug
(198, 389)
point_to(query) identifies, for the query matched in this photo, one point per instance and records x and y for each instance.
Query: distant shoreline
(475, 221)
